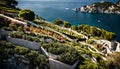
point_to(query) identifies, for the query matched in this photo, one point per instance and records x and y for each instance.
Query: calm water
(51, 10)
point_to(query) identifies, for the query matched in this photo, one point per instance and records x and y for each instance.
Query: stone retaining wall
(20, 42)
(25, 43)
(55, 64)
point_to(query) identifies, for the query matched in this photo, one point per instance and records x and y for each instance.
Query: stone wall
(5, 33)
(25, 43)
(55, 64)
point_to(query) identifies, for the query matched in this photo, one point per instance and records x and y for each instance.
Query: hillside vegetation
(92, 47)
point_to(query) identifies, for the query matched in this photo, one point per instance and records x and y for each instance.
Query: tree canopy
(27, 14)
(8, 3)
(58, 22)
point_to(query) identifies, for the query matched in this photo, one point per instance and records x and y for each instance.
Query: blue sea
(51, 10)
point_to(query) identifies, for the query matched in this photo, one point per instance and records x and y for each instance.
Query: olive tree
(27, 14)
(58, 22)
(66, 24)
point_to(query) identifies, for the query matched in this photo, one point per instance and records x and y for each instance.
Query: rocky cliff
(101, 7)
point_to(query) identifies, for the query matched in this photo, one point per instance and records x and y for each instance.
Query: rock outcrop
(101, 7)
(118, 3)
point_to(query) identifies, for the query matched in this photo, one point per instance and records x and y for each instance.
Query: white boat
(98, 21)
(67, 8)
(74, 9)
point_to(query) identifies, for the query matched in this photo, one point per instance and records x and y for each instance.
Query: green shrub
(74, 27)
(69, 57)
(96, 32)
(55, 48)
(36, 58)
(27, 14)
(58, 22)
(66, 54)
(6, 44)
(21, 50)
(33, 56)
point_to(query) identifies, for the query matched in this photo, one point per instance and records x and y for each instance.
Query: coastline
(64, 42)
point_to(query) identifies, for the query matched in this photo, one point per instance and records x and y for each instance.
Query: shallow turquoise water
(51, 10)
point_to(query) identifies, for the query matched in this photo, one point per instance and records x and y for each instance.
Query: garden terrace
(9, 11)
(46, 32)
(9, 20)
(8, 25)
(14, 26)
(64, 31)
(30, 36)
(65, 53)
(100, 47)
(35, 58)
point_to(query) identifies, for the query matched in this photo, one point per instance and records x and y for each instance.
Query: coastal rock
(101, 7)
(118, 3)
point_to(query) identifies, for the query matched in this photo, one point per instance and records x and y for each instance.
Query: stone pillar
(108, 50)
(118, 47)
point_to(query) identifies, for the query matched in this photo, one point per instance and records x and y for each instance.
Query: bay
(51, 10)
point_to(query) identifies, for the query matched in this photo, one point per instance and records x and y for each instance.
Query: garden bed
(62, 52)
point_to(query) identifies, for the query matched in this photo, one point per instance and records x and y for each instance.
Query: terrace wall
(55, 64)
(25, 43)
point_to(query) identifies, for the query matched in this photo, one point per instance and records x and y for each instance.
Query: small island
(101, 7)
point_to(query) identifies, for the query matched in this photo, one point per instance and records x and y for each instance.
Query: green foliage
(29, 36)
(66, 24)
(2, 22)
(96, 32)
(55, 48)
(113, 62)
(87, 64)
(25, 36)
(8, 3)
(6, 44)
(74, 36)
(36, 58)
(74, 27)
(66, 54)
(41, 59)
(69, 57)
(33, 56)
(9, 10)
(3, 52)
(21, 50)
(62, 23)
(58, 22)
(27, 14)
